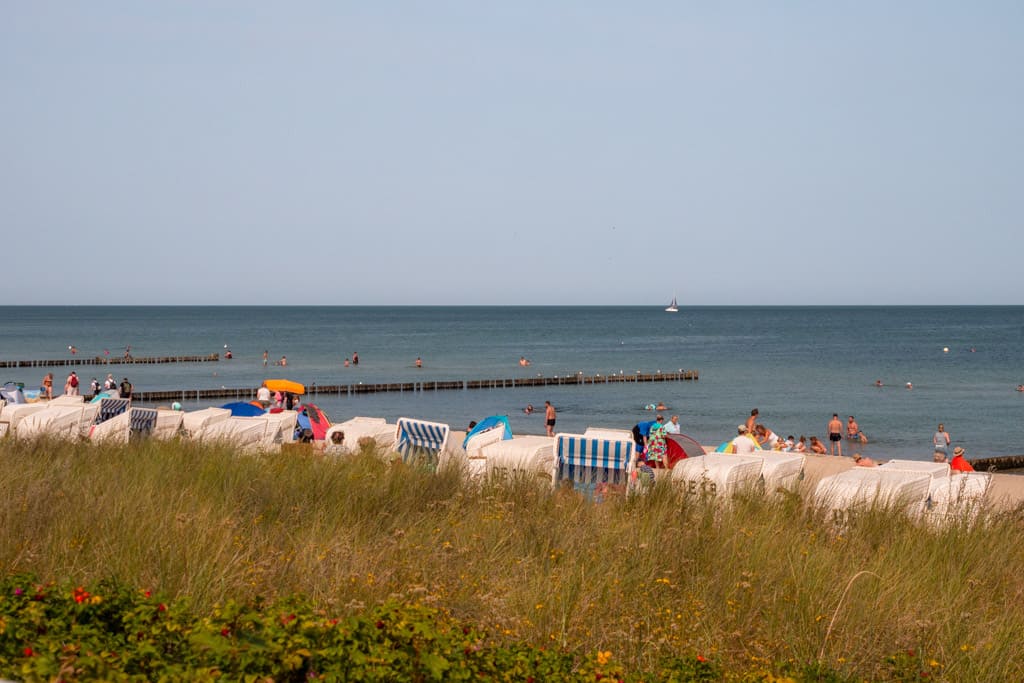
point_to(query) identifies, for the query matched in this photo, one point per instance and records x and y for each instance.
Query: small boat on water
(674, 306)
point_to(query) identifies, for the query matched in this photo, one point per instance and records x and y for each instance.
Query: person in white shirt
(672, 427)
(742, 444)
(263, 395)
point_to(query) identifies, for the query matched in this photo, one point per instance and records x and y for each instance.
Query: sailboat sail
(674, 306)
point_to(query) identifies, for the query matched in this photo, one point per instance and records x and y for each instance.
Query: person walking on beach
(71, 385)
(126, 388)
(47, 386)
(109, 384)
(549, 417)
(940, 440)
(95, 386)
(835, 436)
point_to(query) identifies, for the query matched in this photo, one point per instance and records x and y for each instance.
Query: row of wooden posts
(248, 393)
(104, 360)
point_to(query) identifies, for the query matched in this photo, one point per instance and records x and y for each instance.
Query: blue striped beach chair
(141, 421)
(111, 407)
(421, 441)
(593, 464)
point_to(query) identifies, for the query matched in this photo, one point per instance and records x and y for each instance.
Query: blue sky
(518, 153)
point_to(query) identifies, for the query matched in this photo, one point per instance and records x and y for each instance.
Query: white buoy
(945, 349)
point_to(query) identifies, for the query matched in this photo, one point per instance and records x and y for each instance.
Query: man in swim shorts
(549, 417)
(835, 436)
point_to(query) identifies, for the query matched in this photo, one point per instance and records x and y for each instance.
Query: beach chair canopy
(494, 422)
(244, 409)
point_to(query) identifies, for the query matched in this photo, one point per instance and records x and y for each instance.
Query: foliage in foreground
(112, 633)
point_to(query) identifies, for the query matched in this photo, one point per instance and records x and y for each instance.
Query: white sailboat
(674, 306)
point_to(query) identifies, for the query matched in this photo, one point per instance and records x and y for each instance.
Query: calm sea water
(798, 365)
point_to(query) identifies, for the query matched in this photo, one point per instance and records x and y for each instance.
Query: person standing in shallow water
(355, 358)
(940, 440)
(835, 436)
(549, 417)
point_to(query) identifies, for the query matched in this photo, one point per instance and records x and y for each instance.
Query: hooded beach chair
(196, 422)
(781, 470)
(718, 473)
(168, 424)
(420, 441)
(116, 429)
(280, 429)
(958, 497)
(861, 488)
(55, 420)
(14, 413)
(523, 455)
(593, 465)
(111, 408)
(141, 421)
(377, 429)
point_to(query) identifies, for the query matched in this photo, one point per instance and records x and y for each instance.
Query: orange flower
(80, 594)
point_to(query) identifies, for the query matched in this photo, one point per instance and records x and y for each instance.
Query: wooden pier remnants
(104, 360)
(248, 393)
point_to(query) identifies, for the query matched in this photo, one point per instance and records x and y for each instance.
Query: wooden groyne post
(314, 389)
(104, 360)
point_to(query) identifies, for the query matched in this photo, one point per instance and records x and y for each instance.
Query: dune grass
(759, 584)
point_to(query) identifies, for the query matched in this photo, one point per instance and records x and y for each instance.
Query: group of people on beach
(72, 386)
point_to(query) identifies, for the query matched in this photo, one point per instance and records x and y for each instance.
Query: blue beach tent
(489, 423)
(244, 409)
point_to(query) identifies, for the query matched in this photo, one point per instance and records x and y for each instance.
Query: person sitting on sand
(959, 463)
(860, 461)
(742, 444)
(766, 437)
(789, 444)
(801, 445)
(817, 446)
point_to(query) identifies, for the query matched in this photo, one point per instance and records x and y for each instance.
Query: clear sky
(525, 152)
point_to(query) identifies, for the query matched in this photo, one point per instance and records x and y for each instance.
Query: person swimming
(528, 409)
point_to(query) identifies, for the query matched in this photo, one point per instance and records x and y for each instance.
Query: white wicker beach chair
(55, 420)
(718, 473)
(196, 422)
(859, 488)
(114, 430)
(529, 455)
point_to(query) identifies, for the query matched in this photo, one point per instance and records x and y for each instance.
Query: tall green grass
(760, 584)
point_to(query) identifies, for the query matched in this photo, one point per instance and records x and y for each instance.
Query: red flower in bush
(80, 594)
(28, 652)
(161, 607)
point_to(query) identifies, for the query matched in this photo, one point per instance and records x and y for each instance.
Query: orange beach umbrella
(285, 385)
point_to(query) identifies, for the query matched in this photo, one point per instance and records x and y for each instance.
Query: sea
(796, 365)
